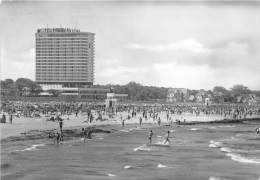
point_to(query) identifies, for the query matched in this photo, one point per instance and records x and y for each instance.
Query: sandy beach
(23, 125)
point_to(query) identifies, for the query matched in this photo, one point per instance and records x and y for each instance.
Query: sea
(197, 152)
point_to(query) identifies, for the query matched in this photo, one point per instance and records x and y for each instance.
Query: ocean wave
(214, 178)
(241, 159)
(142, 148)
(130, 167)
(33, 147)
(225, 149)
(111, 175)
(194, 129)
(227, 126)
(215, 144)
(162, 166)
(233, 156)
(123, 130)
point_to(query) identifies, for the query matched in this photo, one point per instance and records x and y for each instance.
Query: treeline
(20, 87)
(138, 92)
(135, 91)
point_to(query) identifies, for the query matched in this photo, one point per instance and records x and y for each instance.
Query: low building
(113, 98)
(177, 95)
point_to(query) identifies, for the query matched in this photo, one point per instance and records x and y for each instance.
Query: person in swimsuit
(257, 130)
(150, 136)
(167, 139)
(58, 137)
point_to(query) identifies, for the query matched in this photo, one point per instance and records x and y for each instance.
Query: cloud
(12, 64)
(190, 45)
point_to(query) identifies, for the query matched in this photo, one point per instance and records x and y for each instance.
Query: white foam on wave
(233, 156)
(227, 126)
(239, 158)
(214, 178)
(215, 144)
(142, 148)
(127, 167)
(123, 130)
(162, 143)
(111, 175)
(194, 129)
(130, 167)
(161, 166)
(225, 149)
(171, 130)
(33, 147)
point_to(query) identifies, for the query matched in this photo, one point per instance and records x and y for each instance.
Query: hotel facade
(64, 58)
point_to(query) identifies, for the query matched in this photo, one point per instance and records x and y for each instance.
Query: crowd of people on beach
(124, 112)
(145, 111)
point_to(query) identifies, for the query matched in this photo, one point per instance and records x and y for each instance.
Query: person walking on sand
(150, 137)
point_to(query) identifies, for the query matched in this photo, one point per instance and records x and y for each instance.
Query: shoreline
(106, 127)
(223, 121)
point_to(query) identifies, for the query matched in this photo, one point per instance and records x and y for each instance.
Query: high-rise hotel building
(64, 57)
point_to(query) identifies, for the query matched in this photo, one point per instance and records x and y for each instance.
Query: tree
(54, 92)
(219, 90)
(8, 87)
(22, 83)
(240, 89)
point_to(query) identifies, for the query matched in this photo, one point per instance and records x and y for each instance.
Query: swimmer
(150, 136)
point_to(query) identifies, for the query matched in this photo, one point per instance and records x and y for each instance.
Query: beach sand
(23, 125)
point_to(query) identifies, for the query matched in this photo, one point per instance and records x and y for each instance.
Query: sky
(196, 44)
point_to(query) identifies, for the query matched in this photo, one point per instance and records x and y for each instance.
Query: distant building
(201, 95)
(248, 98)
(112, 99)
(177, 95)
(64, 58)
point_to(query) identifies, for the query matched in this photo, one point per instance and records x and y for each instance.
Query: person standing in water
(257, 129)
(83, 134)
(123, 123)
(61, 124)
(159, 121)
(167, 139)
(140, 121)
(150, 137)
(11, 119)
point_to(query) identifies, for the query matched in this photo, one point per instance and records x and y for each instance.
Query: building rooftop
(57, 30)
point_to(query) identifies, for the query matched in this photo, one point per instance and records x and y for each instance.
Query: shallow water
(196, 152)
